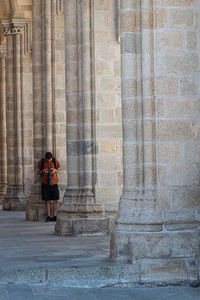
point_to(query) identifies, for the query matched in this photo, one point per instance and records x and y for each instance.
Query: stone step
(75, 276)
(93, 274)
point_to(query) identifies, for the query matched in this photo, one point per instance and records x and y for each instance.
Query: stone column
(48, 108)
(3, 150)
(159, 238)
(15, 198)
(43, 99)
(79, 214)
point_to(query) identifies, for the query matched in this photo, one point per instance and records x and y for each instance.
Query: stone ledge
(127, 246)
(144, 272)
(171, 271)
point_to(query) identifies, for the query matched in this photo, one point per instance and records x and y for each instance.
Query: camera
(49, 172)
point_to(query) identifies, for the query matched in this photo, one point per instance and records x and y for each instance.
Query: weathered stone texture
(183, 107)
(189, 86)
(108, 109)
(159, 136)
(183, 64)
(173, 130)
(180, 3)
(183, 18)
(172, 40)
(166, 86)
(163, 270)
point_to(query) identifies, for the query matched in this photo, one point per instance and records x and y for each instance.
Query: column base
(82, 226)
(78, 195)
(80, 216)
(15, 198)
(36, 212)
(164, 244)
(36, 207)
(3, 188)
(82, 220)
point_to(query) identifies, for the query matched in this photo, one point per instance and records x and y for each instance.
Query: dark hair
(48, 155)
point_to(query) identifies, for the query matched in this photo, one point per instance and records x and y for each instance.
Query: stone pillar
(48, 107)
(79, 214)
(15, 32)
(154, 234)
(3, 150)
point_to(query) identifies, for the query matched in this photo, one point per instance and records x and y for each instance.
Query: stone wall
(177, 73)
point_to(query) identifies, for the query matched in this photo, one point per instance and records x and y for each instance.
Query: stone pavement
(32, 253)
(37, 292)
(37, 264)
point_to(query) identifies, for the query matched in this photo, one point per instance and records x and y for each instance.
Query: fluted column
(79, 85)
(154, 234)
(42, 98)
(47, 73)
(48, 109)
(79, 214)
(15, 198)
(139, 174)
(3, 145)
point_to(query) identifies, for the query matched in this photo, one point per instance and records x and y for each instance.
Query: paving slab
(38, 292)
(32, 254)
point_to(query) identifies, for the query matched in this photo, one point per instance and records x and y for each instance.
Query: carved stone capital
(13, 26)
(7, 30)
(5, 25)
(18, 26)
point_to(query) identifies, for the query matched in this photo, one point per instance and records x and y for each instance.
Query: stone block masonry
(108, 105)
(120, 113)
(157, 224)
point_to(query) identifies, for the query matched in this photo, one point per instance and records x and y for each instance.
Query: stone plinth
(77, 217)
(164, 244)
(2, 192)
(15, 198)
(66, 226)
(36, 207)
(36, 212)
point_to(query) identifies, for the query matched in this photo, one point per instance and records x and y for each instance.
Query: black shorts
(50, 192)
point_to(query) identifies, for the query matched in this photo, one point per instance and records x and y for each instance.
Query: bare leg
(55, 206)
(48, 206)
